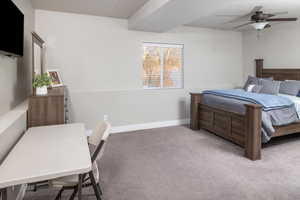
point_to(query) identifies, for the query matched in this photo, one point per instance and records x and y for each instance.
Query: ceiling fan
(260, 20)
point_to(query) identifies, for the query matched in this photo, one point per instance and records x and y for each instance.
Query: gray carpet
(177, 163)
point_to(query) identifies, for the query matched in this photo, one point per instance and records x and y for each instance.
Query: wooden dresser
(49, 109)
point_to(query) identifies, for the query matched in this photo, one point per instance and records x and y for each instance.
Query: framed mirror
(38, 60)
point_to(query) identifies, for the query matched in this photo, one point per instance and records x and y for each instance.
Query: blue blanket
(268, 101)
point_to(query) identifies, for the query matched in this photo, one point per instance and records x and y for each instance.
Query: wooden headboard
(279, 74)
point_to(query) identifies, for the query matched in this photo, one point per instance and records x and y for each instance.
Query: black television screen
(12, 29)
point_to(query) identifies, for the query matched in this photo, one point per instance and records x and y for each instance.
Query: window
(162, 66)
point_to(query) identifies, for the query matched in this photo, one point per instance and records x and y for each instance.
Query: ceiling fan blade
(247, 16)
(237, 27)
(281, 19)
(267, 16)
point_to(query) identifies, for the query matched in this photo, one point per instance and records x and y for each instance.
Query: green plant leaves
(41, 80)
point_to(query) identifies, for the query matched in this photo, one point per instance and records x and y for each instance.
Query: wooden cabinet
(49, 109)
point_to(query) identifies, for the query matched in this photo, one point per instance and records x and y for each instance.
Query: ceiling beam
(164, 15)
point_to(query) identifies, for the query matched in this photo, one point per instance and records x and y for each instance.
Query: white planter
(41, 91)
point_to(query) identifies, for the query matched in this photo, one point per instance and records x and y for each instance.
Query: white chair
(97, 142)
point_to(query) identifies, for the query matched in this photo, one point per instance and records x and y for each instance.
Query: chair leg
(98, 184)
(58, 196)
(74, 194)
(99, 187)
(96, 190)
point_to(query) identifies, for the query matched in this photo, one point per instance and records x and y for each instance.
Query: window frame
(165, 45)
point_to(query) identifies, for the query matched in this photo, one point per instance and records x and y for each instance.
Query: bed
(244, 127)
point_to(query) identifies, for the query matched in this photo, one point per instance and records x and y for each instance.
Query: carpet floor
(176, 163)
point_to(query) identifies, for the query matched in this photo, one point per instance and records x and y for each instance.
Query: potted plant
(41, 83)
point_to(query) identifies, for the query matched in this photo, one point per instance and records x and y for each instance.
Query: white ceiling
(108, 8)
(163, 15)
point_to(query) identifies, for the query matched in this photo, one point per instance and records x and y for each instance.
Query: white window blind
(162, 66)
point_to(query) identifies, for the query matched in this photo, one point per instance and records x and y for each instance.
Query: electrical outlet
(105, 117)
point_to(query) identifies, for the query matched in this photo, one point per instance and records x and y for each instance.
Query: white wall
(15, 74)
(279, 46)
(15, 85)
(101, 63)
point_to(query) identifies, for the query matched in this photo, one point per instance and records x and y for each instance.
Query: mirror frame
(36, 39)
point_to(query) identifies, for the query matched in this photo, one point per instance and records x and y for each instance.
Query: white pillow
(250, 88)
(254, 88)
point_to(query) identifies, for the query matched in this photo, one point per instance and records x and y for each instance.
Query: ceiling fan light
(259, 25)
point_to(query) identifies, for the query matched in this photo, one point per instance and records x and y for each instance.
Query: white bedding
(294, 99)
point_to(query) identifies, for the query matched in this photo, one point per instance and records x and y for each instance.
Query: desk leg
(80, 187)
(3, 194)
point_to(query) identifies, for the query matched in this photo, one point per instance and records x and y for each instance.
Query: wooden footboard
(244, 130)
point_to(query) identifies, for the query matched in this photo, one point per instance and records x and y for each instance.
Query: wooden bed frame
(244, 130)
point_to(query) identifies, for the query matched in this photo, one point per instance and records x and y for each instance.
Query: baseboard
(136, 127)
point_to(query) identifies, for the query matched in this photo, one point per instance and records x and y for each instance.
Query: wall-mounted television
(12, 29)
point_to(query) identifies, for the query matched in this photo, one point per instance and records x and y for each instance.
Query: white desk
(45, 153)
